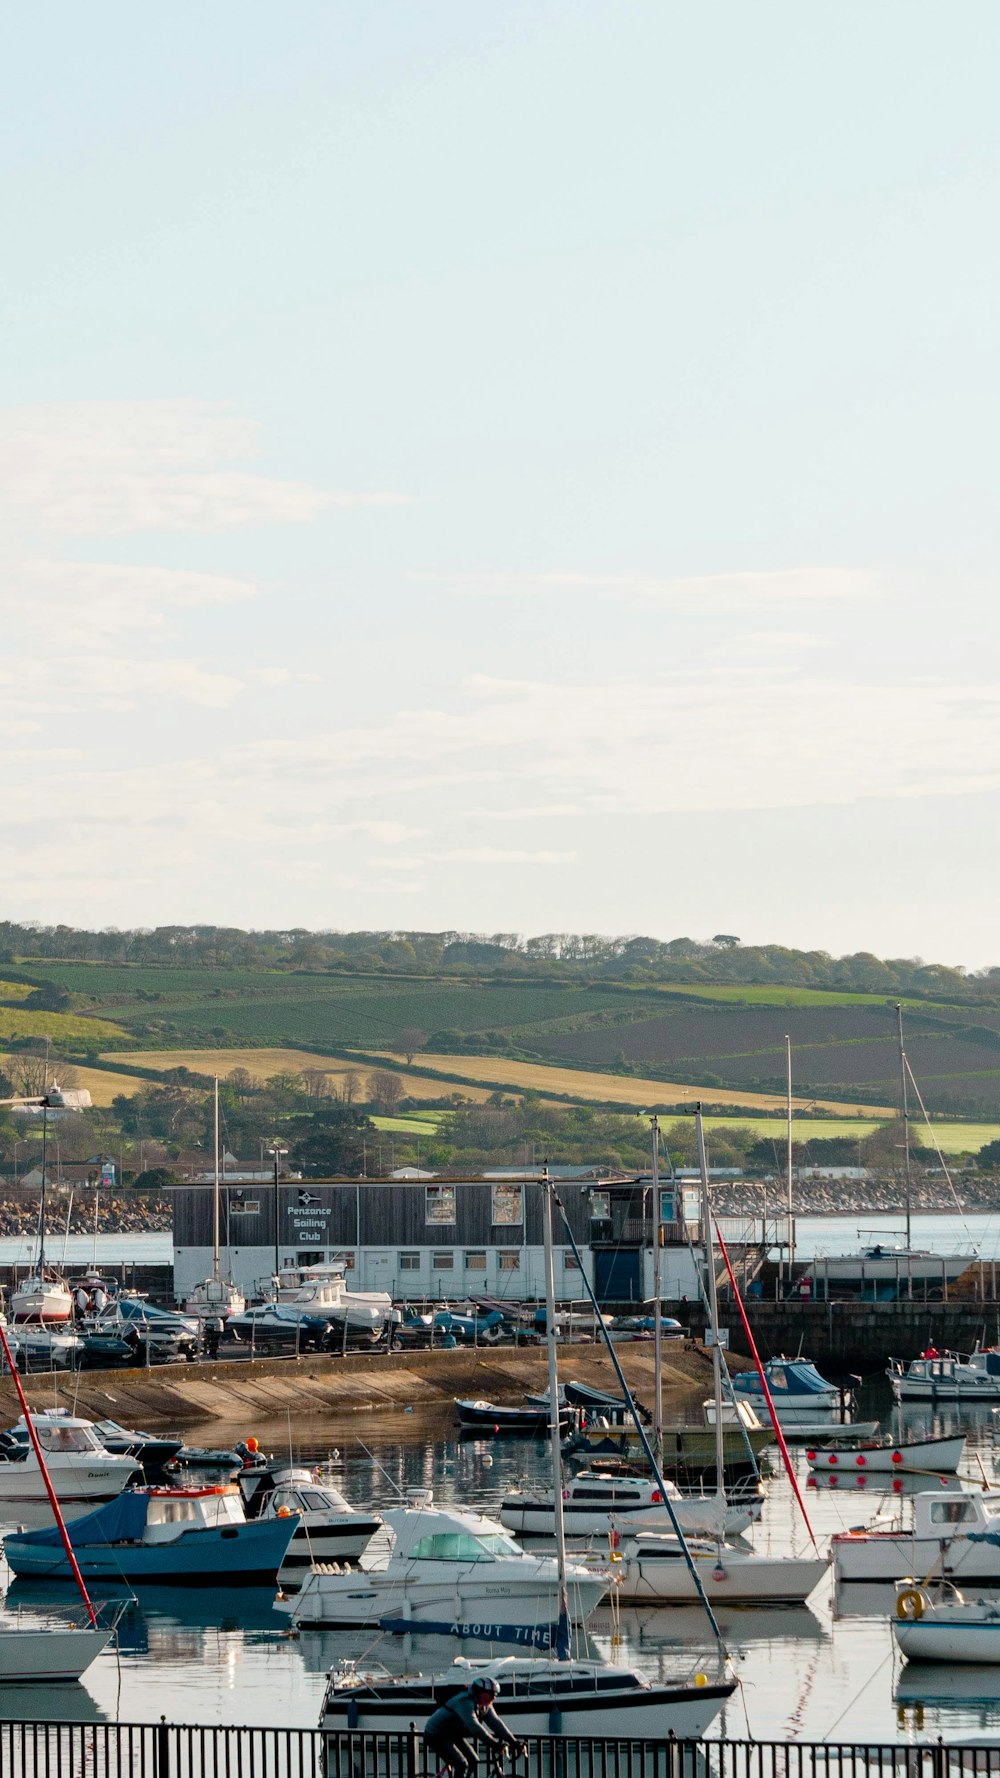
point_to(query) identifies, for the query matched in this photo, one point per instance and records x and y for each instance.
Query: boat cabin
(170, 1512)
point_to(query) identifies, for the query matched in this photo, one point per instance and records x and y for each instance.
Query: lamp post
(277, 1153)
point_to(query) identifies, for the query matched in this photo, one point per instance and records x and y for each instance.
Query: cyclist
(469, 1716)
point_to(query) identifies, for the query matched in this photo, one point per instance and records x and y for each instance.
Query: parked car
(273, 1325)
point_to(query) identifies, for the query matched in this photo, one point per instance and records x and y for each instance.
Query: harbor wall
(856, 1337)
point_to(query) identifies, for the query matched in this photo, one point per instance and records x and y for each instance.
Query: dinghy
(890, 1456)
(929, 1627)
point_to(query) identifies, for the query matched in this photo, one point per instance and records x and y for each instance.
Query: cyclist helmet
(486, 1688)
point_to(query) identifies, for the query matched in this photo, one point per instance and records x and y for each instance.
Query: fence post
(411, 1752)
(161, 1750)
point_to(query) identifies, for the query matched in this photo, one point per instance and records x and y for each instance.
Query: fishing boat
(891, 1456)
(82, 1471)
(957, 1533)
(327, 1529)
(161, 1536)
(940, 1624)
(451, 1573)
(598, 1505)
(30, 1655)
(215, 1296)
(945, 1376)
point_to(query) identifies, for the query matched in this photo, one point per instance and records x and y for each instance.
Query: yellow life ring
(910, 1604)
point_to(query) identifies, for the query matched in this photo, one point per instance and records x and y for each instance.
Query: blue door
(618, 1274)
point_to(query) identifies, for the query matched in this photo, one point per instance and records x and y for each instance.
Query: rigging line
(943, 1164)
(692, 1565)
(779, 1435)
(860, 1693)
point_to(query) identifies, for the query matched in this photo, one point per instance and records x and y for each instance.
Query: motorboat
(43, 1297)
(424, 1326)
(599, 1505)
(214, 1296)
(959, 1534)
(945, 1376)
(539, 1696)
(940, 1624)
(322, 1290)
(891, 1456)
(686, 1451)
(655, 1566)
(451, 1573)
(163, 1537)
(491, 1417)
(795, 1431)
(797, 1391)
(82, 1471)
(887, 1269)
(46, 1346)
(45, 1656)
(160, 1335)
(283, 1327)
(149, 1449)
(328, 1529)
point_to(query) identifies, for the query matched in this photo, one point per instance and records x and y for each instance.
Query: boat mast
(713, 1300)
(215, 1195)
(657, 1293)
(562, 1625)
(41, 1204)
(790, 1231)
(905, 1109)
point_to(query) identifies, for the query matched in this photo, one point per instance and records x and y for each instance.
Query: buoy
(833, 1457)
(897, 1456)
(861, 1461)
(252, 1445)
(718, 1572)
(897, 1484)
(810, 1456)
(699, 1679)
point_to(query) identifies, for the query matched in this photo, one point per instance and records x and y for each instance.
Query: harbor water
(828, 1669)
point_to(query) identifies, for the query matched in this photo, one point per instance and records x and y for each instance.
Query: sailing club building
(430, 1237)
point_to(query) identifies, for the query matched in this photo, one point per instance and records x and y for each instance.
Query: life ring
(910, 1605)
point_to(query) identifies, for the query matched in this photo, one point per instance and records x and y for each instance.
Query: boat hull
(38, 1656)
(536, 1518)
(522, 1612)
(890, 1556)
(938, 1455)
(344, 1541)
(88, 1483)
(737, 1580)
(944, 1634)
(685, 1713)
(236, 1556)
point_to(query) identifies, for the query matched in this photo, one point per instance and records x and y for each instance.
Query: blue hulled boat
(182, 1537)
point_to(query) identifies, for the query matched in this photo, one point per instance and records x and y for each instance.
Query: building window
(443, 1261)
(510, 1262)
(600, 1206)
(244, 1207)
(409, 1262)
(475, 1262)
(570, 1261)
(439, 1203)
(507, 1204)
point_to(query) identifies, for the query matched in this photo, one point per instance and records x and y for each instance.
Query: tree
(385, 1089)
(989, 1156)
(410, 1040)
(155, 1179)
(316, 1082)
(329, 1143)
(350, 1086)
(241, 1081)
(726, 941)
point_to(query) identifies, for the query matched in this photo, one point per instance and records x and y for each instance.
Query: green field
(952, 1138)
(407, 1126)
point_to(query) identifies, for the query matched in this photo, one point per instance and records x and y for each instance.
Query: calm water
(828, 1669)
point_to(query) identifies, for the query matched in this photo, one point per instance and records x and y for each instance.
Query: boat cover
(119, 1521)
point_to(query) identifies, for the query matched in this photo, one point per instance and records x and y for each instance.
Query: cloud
(498, 855)
(91, 469)
(93, 599)
(734, 592)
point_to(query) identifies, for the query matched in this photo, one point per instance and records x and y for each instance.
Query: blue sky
(503, 466)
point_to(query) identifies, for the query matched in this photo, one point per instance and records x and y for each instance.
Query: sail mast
(657, 1293)
(562, 1625)
(215, 1195)
(713, 1299)
(905, 1109)
(790, 1230)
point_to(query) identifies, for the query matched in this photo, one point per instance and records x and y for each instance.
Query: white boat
(45, 1346)
(33, 1656)
(451, 1573)
(598, 1505)
(328, 1529)
(322, 1290)
(957, 1534)
(891, 1456)
(799, 1431)
(83, 1473)
(214, 1296)
(42, 1298)
(538, 1696)
(931, 1628)
(798, 1392)
(944, 1376)
(887, 1264)
(654, 1566)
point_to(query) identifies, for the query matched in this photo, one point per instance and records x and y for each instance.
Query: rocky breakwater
(19, 1215)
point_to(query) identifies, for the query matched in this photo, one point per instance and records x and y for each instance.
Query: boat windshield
(463, 1546)
(67, 1438)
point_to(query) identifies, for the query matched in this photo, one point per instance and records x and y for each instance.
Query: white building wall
(381, 1268)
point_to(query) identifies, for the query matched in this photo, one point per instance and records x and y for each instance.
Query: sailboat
(659, 1566)
(29, 1654)
(216, 1295)
(43, 1296)
(888, 1269)
(553, 1694)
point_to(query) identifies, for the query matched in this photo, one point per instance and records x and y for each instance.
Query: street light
(277, 1153)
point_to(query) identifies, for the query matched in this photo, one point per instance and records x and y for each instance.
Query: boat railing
(200, 1750)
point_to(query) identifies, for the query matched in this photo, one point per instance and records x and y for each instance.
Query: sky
(505, 466)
